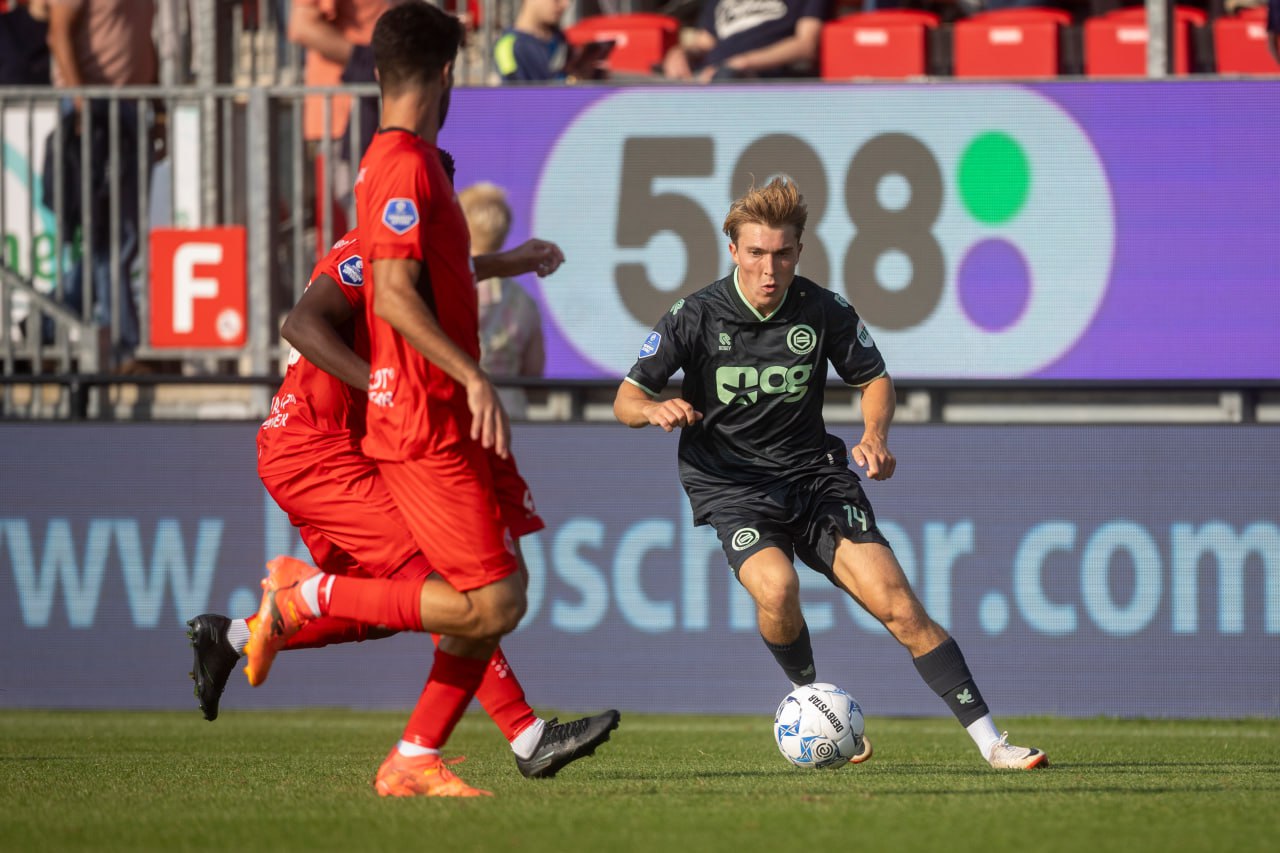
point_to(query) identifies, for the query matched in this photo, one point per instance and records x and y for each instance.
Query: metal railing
(84, 192)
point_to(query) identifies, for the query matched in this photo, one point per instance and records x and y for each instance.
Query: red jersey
(407, 209)
(313, 410)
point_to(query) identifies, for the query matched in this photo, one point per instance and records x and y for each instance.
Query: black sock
(795, 657)
(946, 673)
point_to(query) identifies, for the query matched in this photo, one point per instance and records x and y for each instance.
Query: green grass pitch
(300, 780)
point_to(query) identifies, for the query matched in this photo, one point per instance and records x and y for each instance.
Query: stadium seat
(892, 43)
(471, 11)
(641, 39)
(1115, 44)
(1240, 43)
(1009, 43)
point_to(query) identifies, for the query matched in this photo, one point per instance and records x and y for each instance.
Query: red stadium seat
(1115, 44)
(1009, 43)
(1240, 43)
(641, 39)
(892, 43)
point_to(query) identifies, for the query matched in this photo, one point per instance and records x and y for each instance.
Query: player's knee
(508, 615)
(777, 595)
(501, 612)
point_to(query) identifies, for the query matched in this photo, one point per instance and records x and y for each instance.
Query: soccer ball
(818, 725)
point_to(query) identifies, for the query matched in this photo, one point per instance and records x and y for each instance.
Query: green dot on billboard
(994, 178)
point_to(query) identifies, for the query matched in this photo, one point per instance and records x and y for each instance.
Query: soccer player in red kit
(434, 424)
(310, 462)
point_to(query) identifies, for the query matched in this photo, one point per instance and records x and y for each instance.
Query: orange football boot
(421, 776)
(282, 612)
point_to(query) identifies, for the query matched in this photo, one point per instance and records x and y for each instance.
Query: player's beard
(444, 103)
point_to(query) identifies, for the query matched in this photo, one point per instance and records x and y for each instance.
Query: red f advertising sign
(199, 290)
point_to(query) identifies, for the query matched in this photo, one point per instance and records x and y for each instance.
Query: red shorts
(345, 515)
(514, 498)
(464, 506)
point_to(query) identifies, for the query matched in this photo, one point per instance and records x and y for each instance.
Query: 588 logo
(972, 227)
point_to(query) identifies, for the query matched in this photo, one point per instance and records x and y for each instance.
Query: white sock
(238, 635)
(310, 591)
(412, 750)
(526, 742)
(984, 734)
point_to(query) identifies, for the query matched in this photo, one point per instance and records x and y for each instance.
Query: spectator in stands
(510, 325)
(24, 55)
(1273, 29)
(750, 38)
(335, 35)
(104, 43)
(535, 50)
(329, 30)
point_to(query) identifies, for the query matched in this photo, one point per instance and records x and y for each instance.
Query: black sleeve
(850, 347)
(665, 350)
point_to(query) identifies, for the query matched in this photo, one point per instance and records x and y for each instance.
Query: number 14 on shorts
(857, 518)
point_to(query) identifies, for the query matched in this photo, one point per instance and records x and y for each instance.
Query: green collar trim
(752, 308)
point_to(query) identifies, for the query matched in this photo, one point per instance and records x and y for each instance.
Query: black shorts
(805, 518)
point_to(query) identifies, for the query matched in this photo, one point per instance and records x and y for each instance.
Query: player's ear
(446, 74)
(733, 251)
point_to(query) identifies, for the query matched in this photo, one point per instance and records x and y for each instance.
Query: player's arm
(312, 329)
(398, 302)
(879, 399)
(540, 256)
(635, 407)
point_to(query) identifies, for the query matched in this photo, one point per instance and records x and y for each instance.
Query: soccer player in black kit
(759, 466)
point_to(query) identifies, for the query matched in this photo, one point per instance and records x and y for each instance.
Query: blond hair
(774, 205)
(488, 216)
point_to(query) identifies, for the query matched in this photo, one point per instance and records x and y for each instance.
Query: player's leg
(414, 767)
(354, 507)
(541, 747)
(218, 641)
(843, 541)
(449, 502)
(770, 577)
(759, 552)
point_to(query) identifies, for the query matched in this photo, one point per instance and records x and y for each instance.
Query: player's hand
(873, 454)
(539, 256)
(489, 422)
(672, 414)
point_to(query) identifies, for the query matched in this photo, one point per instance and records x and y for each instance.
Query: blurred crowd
(118, 42)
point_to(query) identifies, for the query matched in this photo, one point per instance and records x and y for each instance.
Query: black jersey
(759, 383)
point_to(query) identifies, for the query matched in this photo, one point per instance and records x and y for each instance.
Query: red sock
(452, 683)
(328, 631)
(502, 696)
(324, 631)
(395, 604)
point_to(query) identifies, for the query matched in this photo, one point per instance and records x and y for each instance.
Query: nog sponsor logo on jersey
(743, 384)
